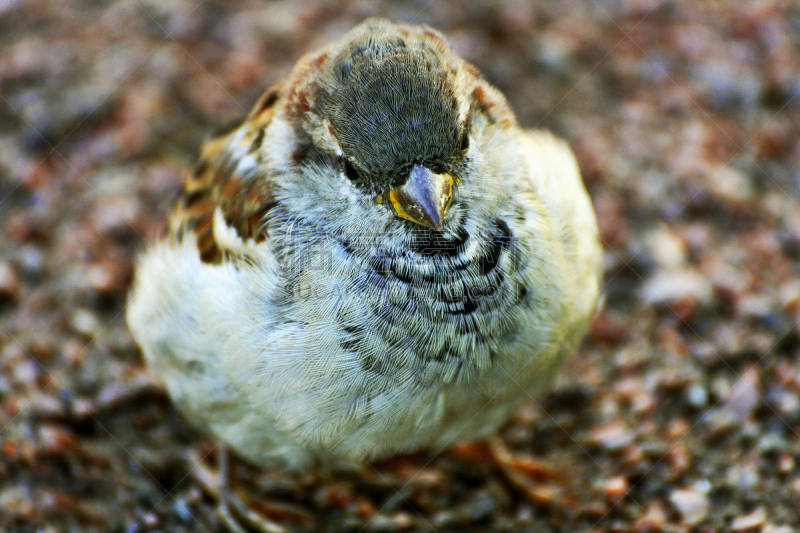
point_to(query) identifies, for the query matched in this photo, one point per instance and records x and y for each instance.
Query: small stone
(444, 519)
(100, 278)
(637, 394)
(786, 402)
(614, 436)
(744, 395)
(755, 306)
(633, 355)
(789, 296)
(382, 522)
(9, 283)
(730, 184)
(743, 477)
(702, 485)
(15, 501)
(26, 372)
(55, 439)
(678, 428)
(772, 528)
(403, 520)
(697, 395)
(721, 422)
(46, 406)
(83, 409)
(741, 401)
(31, 261)
(692, 504)
(679, 458)
(786, 464)
(182, 509)
(666, 248)
(616, 487)
(772, 443)
(150, 519)
(727, 82)
(84, 322)
(675, 286)
(480, 506)
(755, 519)
(721, 389)
(653, 519)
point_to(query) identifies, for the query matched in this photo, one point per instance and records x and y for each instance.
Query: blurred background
(681, 411)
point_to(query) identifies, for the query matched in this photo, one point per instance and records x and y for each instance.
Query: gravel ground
(681, 411)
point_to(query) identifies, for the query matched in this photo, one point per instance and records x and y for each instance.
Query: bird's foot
(538, 482)
(236, 515)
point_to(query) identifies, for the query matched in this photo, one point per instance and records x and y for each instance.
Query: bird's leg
(522, 472)
(235, 514)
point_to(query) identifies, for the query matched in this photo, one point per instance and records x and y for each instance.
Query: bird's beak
(423, 198)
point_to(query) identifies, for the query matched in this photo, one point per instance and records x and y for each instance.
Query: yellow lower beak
(423, 198)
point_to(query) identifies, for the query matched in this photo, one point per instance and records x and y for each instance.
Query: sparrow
(378, 259)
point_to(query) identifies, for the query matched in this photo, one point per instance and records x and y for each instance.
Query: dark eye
(465, 141)
(350, 171)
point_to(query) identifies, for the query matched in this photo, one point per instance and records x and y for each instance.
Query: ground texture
(681, 411)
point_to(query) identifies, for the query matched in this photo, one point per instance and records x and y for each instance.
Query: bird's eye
(465, 141)
(350, 171)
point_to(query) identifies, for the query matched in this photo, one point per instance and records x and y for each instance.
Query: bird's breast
(444, 305)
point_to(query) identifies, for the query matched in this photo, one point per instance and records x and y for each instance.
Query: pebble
(673, 286)
(15, 502)
(744, 395)
(665, 248)
(721, 422)
(481, 506)
(786, 464)
(741, 400)
(729, 184)
(786, 402)
(55, 439)
(772, 443)
(9, 283)
(789, 296)
(614, 436)
(46, 406)
(615, 488)
(444, 519)
(727, 81)
(753, 520)
(397, 522)
(653, 519)
(101, 278)
(680, 459)
(755, 306)
(692, 504)
(31, 261)
(150, 519)
(84, 322)
(697, 395)
(771, 528)
(26, 372)
(743, 476)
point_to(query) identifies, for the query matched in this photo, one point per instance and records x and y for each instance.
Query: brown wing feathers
(243, 197)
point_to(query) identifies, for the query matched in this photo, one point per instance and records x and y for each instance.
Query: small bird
(377, 260)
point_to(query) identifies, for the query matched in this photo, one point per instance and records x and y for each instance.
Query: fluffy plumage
(292, 313)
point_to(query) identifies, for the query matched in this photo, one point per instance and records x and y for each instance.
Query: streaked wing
(228, 184)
